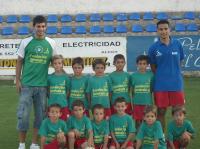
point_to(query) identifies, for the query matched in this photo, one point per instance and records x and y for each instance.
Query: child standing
(99, 87)
(78, 84)
(141, 83)
(53, 130)
(150, 134)
(100, 128)
(120, 83)
(180, 130)
(80, 133)
(122, 127)
(58, 84)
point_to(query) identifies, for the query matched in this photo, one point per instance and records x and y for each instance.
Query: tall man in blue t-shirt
(165, 58)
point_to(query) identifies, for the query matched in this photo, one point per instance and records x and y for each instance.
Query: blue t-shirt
(167, 59)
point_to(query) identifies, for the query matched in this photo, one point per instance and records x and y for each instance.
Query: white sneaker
(21, 146)
(34, 146)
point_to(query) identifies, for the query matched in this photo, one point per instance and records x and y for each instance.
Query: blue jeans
(28, 96)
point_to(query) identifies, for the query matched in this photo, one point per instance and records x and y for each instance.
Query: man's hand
(18, 86)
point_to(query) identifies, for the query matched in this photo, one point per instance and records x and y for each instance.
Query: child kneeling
(80, 133)
(53, 130)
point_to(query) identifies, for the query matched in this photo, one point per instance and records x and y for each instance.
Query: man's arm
(18, 73)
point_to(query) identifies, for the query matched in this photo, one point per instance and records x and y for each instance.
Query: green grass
(9, 101)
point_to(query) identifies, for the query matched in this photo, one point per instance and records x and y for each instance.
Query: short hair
(178, 109)
(163, 22)
(142, 58)
(39, 19)
(55, 57)
(78, 60)
(78, 103)
(119, 100)
(150, 108)
(55, 105)
(98, 61)
(97, 106)
(118, 56)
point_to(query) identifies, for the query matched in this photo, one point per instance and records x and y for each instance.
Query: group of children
(121, 106)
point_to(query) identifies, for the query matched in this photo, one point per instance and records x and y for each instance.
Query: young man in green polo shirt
(34, 55)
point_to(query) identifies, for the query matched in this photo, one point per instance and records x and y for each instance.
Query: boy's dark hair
(78, 60)
(54, 105)
(39, 19)
(97, 106)
(118, 56)
(178, 109)
(98, 61)
(119, 100)
(78, 103)
(162, 22)
(150, 108)
(142, 58)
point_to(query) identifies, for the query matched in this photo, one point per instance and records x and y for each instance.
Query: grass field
(9, 100)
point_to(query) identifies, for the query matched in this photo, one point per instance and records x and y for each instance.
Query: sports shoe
(21, 146)
(34, 146)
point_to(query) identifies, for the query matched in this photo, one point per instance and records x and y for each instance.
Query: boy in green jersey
(53, 130)
(80, 133)
(58, 86)
(120, 83)
(141, 84)
(78, 84)
(99, 87)
(150, 134)
(34, 56)
(122, 127)
(100, 128)
(180, 131)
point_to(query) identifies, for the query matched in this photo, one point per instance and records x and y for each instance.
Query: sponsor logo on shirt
(158, 53)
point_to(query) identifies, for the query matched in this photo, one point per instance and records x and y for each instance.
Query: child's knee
(184, 141)
(71, 134)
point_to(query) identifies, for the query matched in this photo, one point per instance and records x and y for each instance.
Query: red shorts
(53, 145)
(65, 113)
(98, 146)
(128, 109)
(177, 144)
(169, 98)
(138, 112)
(79, 142)
(107, 113)
(129, 144)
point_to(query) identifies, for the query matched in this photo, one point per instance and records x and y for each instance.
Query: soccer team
(102, 110)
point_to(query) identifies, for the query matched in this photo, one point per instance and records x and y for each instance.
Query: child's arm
(115, 140)
(89, 100)
(90, 139)
(138, 144)
(42, 141)
(105, 142)
(130, 137)
(172, 145)
(156, 142)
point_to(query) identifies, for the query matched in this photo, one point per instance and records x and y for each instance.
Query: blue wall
(137, 45)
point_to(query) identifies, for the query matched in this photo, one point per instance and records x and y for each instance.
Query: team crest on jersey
(41, 50)
(158, 53)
